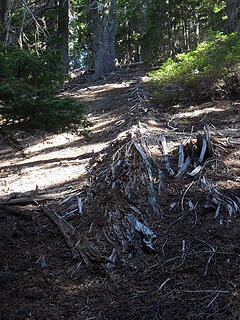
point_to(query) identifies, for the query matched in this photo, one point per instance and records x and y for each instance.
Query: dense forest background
(148, 31)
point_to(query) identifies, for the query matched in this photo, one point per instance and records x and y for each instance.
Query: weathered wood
(30, 199)
(66, 229)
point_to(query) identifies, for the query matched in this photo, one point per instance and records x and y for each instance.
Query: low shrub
(28, 90)
(200, 73)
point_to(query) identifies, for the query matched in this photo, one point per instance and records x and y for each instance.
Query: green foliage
(164, 28)
(148, 31)
(198, 73)
(32, 69)
(130, 20)
(80, 34)
(28, 87)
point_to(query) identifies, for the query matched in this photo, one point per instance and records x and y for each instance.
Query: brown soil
(36, 277)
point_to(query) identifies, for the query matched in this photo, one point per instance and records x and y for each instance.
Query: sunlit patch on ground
(57, 164)
(53, 160)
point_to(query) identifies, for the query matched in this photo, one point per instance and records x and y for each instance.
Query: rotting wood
(65, 227)
(32, 199)
(124, 195)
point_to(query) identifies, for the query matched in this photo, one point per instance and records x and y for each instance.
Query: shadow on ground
(35, 269)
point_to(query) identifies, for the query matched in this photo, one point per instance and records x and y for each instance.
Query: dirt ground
(36, 263)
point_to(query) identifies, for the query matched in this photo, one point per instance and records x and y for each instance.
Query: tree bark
(104, 34)
(233, 9)
(63, 33)
(3, 18)
(89, 34)
(51, 23)
(3, 9)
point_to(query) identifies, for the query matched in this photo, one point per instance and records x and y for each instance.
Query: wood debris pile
(116, 217)
(153, 231)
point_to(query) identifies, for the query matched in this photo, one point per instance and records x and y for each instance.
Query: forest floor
(192, 271)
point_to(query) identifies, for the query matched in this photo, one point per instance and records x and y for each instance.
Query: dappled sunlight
(119, 160)
(56, 159)
(59, 158)
(89, 180)
(232, 162)
(107, 87)
(86, 94)
(103, 87)
(103, 123)
(42, 177)
(191, 118)
(53, 140)
(47, 169)
(191, 113)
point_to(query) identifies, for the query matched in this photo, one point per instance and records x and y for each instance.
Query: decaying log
(65, 227)
(31, 199)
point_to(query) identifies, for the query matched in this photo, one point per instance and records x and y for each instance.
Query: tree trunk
(51, 24)
(3, 9)
(233, 9)
(63, 33)
(104, 33)
(89, 34)
(3, 18)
